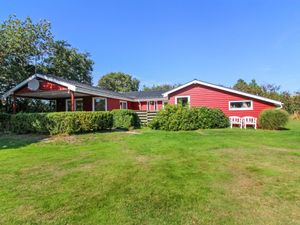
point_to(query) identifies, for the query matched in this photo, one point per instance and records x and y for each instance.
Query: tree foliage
(118, 81)
(160, 87)
(27, 48)
(291, 102)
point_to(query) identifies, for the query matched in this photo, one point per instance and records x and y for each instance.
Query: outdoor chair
(235, 120)
(249, 120)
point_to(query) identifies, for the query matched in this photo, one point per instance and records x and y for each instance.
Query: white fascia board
(44, 77)
(65, 84)
(223, 89)
(11, 91)
(150, 99)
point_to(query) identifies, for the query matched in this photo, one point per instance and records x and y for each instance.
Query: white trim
(148, 105)
(238, 109)
(97, 93)
(125, 103)
(186, 96)
(223, 89)
(155, 105)
(93, 103)
(75, 99)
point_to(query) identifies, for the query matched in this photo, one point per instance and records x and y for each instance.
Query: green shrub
(273, 119)
(61, 122)
(177, 117)
(23, 123)
(79, 122)
(4, 121)
(125, 119)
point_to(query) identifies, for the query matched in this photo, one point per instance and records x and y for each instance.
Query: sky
(170, 41)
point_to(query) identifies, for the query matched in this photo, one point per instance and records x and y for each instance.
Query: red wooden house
(74, 96)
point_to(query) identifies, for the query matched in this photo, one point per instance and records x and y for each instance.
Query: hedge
(4, 121)
(61, 122)
(177, 117)
(273, 119)
(125, 119)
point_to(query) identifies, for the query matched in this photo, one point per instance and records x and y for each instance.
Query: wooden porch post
(72, 101)
(14, 104)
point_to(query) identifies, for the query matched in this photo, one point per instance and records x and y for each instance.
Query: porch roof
(80, 89)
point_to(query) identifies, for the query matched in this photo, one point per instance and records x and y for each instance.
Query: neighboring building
(75, 96)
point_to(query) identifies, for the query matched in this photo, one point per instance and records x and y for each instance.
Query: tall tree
(160, 87)
(22, 45)
(67, 62)
(118, 81)
(27, 48)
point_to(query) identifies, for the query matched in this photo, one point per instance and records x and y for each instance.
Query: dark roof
(130, 95)
(87, 86)
(144, 94)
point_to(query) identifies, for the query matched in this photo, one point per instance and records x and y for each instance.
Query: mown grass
(152, 177)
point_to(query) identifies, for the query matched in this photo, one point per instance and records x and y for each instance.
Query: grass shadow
(14, 141)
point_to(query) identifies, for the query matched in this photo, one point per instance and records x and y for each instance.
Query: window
(99, 104)
(183, 100)
(241, 105)
(123, 105)
(78, 105)
(148, 106)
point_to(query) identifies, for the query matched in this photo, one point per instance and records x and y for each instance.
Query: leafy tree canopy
(291, 102)
(160, 87)
(27, 47)
(118, 81)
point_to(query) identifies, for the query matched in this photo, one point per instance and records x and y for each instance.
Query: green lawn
(152, 177)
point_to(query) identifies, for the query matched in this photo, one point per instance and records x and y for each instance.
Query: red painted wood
(72, 101)
(143, 105)
(44, 86)
(214, 98)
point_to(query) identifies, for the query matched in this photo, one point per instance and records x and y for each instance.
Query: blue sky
(162, 41)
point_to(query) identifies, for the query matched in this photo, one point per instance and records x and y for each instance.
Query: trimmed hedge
(4, 121)
(273, 119)
(61, 122)
(177, 117)
(125, 119)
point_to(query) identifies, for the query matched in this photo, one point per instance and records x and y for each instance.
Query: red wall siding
(143, 105)
(213, 98)
(44, 86)
(133, 105)
(113, 103)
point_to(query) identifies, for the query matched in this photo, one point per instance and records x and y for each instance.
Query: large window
(99, 104)
(183, 100)
(78, 105)
(241, 105)
(123, 105)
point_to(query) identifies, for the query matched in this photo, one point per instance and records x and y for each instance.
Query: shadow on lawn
(13, 141)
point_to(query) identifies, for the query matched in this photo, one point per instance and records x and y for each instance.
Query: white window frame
(186, 96)
(148, 105)
(121, 102)
(69, 100)
(155, 105)
(93, 104)
(238, 109)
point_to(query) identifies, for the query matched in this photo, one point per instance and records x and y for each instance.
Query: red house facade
(74, 96)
